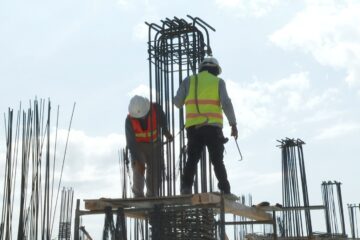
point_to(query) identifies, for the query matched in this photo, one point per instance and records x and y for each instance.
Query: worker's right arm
(181, 93)
(130, 139)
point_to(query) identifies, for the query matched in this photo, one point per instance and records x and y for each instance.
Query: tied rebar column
(334, 213)
(294, 223)
(176, 47)
(354, 215)
(172, 223)
(66, 206)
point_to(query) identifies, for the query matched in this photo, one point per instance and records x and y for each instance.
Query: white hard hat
(139, 106)
(210, 62)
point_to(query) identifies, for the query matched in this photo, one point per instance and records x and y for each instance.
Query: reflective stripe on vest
(208, 100)
(149, 134)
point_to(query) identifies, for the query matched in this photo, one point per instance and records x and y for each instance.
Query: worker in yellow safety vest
(205, 98)
(143, 126)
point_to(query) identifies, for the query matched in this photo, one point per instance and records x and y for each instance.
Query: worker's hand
(234, 132)
(169, 136)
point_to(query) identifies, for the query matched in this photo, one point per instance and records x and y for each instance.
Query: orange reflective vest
(149, 134)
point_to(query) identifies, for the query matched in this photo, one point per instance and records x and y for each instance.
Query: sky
(291, 68)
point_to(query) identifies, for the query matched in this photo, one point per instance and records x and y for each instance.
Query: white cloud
(251, 180)
(322, 115)
(90, 148)
(256, 8)
(254, 102)
(251, 105)
(338, 130)
(260, 104)
(298, 81)
(125, 4)
(142, 90)
(141, 31)
(91, 165)
(93, 145)
(329, 31)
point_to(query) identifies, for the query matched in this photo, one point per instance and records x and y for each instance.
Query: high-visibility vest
(150, 133)
(208, 101)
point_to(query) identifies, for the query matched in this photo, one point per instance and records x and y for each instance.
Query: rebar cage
(175, 50)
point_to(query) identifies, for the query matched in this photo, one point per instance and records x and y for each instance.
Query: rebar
(36, 182)
(66, 206)
(334, 213)
(294, 223)
(172, 223)
(175, 50)
(354, 215)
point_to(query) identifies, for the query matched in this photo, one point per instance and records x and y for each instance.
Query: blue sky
(292, 69)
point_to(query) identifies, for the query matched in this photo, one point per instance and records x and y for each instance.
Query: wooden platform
(139, 207)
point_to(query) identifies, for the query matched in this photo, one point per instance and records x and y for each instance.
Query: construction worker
(143, 126)
(205, 97)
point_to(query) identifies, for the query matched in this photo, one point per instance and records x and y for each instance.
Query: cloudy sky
(292, 69)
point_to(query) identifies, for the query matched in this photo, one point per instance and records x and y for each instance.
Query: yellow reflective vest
(208, 101)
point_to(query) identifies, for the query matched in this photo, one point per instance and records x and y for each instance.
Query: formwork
(197, 216)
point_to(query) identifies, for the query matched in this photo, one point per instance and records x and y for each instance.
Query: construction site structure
(175, 47)
(178, 217)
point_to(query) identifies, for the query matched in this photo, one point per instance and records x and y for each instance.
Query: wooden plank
(100, 204)
(282, 209)
(245, 211)
(136, 215)
(231, 206)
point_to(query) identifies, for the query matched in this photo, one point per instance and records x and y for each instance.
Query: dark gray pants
(212, 137)
(150, 162)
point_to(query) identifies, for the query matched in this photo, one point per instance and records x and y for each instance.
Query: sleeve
(182, 92)
(130, 139)
(161, 117)
(226, 103)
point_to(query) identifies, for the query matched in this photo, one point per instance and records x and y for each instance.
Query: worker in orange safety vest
(143, 128)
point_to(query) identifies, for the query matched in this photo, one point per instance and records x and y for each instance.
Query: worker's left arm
(226, 103)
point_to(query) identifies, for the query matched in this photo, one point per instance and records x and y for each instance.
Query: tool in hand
(237, 145)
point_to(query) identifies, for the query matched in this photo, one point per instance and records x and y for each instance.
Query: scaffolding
(197, 216)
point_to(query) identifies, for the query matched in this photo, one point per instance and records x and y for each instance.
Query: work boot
(224, 187)
(185, 190)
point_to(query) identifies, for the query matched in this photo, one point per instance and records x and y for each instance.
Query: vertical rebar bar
(294, 190)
